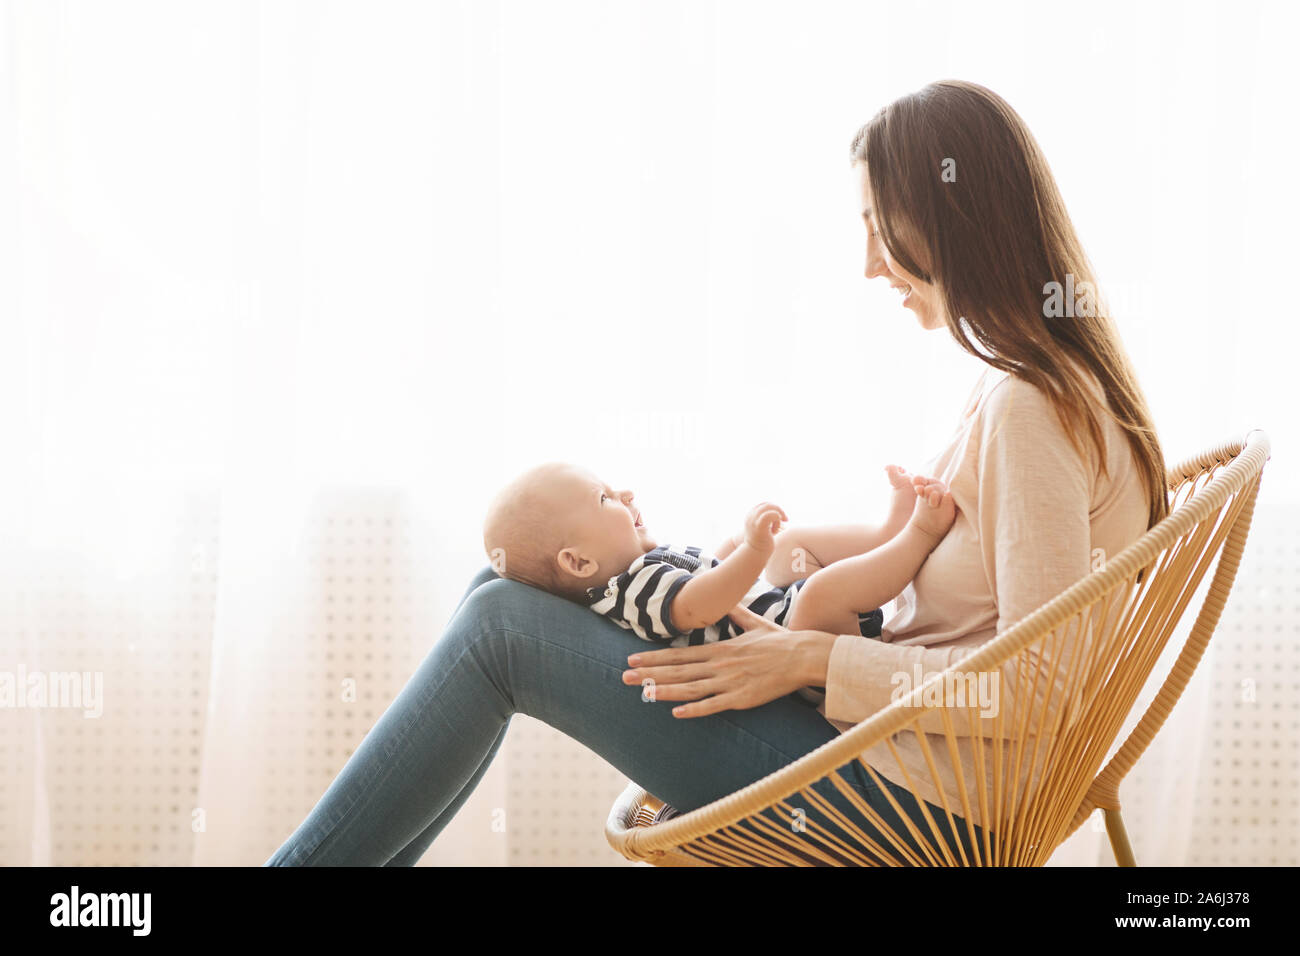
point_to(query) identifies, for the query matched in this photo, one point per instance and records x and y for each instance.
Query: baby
(560, 528)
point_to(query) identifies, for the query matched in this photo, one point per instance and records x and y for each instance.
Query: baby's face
(603, 529)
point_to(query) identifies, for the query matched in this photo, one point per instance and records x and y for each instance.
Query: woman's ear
(571, 561)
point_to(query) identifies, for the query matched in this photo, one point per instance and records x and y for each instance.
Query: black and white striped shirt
(641, 598)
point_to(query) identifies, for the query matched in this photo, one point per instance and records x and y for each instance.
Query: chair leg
(1119, 839)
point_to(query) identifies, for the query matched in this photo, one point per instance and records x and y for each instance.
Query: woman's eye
(602, 498)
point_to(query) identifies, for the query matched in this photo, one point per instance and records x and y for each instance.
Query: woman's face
(918, 295)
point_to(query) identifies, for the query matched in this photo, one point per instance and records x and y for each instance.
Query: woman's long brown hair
(963, 198)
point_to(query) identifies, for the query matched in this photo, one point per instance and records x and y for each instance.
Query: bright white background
(264, 252)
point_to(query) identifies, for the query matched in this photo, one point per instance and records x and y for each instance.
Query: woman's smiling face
(918, 295)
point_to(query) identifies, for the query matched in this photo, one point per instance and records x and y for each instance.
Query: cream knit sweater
(1031, 514)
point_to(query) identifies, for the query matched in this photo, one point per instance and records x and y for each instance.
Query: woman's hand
(765, 662)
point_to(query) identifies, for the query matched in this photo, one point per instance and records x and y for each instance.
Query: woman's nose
(626, 497)
(876, 265)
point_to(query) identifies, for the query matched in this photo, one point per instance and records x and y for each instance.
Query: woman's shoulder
(1011, 398)
(1029, 426)
(1021, 426)
(1015, 395)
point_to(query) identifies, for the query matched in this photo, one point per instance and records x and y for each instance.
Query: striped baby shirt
(641, 598)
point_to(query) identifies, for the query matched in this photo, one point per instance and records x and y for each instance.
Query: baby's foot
(933, 511)
(902, 499)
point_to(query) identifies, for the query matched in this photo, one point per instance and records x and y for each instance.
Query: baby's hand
(935, 511)
(761, 525)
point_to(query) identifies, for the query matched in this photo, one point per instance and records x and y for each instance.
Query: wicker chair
(1125, 612)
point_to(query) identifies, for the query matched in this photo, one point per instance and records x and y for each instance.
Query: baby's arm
(723, 551)
(708, 596)
(832, 599)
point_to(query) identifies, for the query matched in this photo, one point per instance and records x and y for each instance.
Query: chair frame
(1212, 502)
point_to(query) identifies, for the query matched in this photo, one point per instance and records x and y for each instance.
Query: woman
(1054, 460)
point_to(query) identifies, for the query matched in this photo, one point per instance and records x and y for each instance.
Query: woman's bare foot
(933, 510)
(902, 499)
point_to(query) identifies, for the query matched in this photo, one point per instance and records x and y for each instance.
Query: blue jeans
(512, 649)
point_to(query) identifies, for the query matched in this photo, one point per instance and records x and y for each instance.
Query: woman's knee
(484, 575)
(499, 603)
(504, 612)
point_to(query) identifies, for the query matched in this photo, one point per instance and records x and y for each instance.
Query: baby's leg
(818, 609)
(833, 597)
(802, 551)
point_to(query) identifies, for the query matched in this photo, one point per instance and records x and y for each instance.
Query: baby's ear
(574, 563)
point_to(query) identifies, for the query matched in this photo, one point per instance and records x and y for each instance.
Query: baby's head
(560, 528)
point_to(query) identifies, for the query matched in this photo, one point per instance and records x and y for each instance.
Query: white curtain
(291, 288)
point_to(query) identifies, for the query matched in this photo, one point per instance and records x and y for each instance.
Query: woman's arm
(764, 663)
